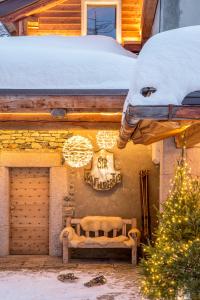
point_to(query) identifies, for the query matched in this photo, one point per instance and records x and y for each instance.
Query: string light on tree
(106, 139)
(173, 262)
(77, 151)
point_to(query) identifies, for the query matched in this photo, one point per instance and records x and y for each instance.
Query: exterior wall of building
(174, 14)
(169, 155)
(43, 149)
(65, 19)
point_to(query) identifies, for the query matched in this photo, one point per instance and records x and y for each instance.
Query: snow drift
(169, 62)
(56, 62)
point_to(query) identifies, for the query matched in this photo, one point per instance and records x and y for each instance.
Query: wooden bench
(126, 226)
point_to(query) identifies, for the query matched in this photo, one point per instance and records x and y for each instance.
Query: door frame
(57, 191)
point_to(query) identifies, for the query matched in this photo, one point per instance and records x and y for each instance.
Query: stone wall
(27, 140)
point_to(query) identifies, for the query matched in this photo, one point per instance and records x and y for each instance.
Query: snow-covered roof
(56, 62)
(169, 62)
(3, 31)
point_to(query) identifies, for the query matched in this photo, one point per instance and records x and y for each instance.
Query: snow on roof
(3, 31)
(169, 62)
(56, 62)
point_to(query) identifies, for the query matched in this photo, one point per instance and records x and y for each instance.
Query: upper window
(101, 20)
(102, 17)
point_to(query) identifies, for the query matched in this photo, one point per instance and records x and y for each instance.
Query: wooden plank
(59, 20)
(22, 103)
(98, 245)
(133, 46)
(192, 137)
(148, 15)
(60, 14)
(26, 125)
(52, 27)
(163, 112)
(124, 229)
(36, 32)
(68, 117)
(114, 232)
(78, 229)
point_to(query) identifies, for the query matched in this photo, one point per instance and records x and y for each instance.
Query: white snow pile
(58, 62)
(169, 62)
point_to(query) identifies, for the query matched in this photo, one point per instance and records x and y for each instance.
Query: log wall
(65, 19)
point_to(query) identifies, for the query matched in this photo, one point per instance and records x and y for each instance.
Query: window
(101, 20)
(101, 17)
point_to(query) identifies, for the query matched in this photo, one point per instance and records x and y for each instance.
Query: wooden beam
(69, 117)
(161, 122)
(125, 134)
(133, 46)
(47, 125)
(148, 15)
(163, 112)
(192, 137)
(36, 7)
(89, 103)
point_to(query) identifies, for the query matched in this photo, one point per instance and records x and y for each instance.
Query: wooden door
(29, 211)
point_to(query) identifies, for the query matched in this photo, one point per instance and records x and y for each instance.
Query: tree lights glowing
(77, 151)
(173, 263)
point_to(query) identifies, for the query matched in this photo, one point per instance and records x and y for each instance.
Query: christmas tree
(172, 265)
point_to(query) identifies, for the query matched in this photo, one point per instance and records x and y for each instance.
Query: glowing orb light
(106, 139)
(77, 151)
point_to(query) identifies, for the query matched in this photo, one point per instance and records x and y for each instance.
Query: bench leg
(65, 255)
(66, 252)
(134, 256)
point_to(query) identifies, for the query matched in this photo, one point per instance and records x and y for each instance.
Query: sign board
(103, 176)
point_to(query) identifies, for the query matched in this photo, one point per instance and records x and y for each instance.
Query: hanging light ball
(77, 151)
(106, 139)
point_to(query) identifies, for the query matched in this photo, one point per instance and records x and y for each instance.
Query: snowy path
(43, 285)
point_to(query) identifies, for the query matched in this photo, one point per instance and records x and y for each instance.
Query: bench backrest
(127, 225)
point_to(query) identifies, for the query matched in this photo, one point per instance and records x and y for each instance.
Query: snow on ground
(169, 62)
(58, 62)
(43, 285)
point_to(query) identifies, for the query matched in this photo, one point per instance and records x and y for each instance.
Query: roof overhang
(58, 109)
(21, 9)
(145, 124)
(142, 125)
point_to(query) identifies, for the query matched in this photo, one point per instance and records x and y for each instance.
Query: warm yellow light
(106, 139)
(77, 151)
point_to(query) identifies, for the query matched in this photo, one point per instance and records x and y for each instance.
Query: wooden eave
(32, 109)
(30, 9)
(148, 124)
(148, 16)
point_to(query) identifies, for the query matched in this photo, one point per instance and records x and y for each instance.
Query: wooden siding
(65, 19)
(131, 20)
